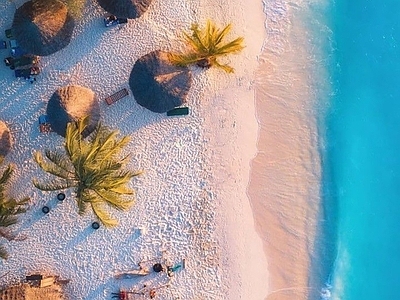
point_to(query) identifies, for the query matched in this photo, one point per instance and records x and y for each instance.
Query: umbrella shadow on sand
(130, 9)
(80, 237)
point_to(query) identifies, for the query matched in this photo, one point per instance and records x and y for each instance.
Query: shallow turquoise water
(362, 157)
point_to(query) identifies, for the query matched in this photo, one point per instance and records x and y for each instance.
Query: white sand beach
(192, 199)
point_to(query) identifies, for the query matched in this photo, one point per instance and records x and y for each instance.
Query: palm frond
(226, 68)
(10, 208)
(7, 219)
(207, 45)
(53, 185)
(109, 146)
(114, 200)
(6, 175)
(184, 59)
(102, 215)
(3, 252)
(219, 36)
(232, 47)
(123, 190)
(60, 160)
(51, 167)
(195, 40)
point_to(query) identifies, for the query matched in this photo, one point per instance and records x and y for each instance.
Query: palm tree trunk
(204, 63)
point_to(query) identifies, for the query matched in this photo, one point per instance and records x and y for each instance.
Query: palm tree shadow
(36, 214)
(26, 223)
(82, 236)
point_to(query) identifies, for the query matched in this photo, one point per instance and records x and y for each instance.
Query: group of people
(158, 267)
(145, 290)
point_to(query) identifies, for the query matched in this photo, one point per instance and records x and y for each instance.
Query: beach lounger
(27, 73)
(3, 44)
(47, 281)
(44, 125)
(22, 62)
(8, 33)
(117, 96)
(13, 44)
(18, 51)
(113, 20)
(34, 277)
(179, 111)
(132, 274)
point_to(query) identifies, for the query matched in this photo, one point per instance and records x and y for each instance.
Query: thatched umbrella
(5, 139)
(157, 84)
(42, 27)
(25, 291)
(130, 9)
(71, 103)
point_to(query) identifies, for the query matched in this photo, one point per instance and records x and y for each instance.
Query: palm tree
(206, 46)
(92, 169)
(9, 208)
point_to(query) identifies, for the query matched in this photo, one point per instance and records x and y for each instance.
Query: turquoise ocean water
(361, 152)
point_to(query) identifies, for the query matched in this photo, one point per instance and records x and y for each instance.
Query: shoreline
(286, 172)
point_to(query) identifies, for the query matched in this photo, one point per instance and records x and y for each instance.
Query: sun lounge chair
(179, 111)
(113, 20)
(132, 274)
(34, 277)
(13, 44)
(47, 281)
(21, 62)
(8, 33)
(27, 73)
(3, 44)
(117, 96)
(18, 51)
(44, 125)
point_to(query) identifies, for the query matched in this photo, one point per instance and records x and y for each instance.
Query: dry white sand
(191, 198)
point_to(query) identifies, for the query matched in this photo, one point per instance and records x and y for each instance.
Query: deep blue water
(362, 150)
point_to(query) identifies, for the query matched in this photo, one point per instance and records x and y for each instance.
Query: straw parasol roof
(42, 27)
(157, 84)
(130, 9)
(5, 139)
(27, 292)
(71, 103)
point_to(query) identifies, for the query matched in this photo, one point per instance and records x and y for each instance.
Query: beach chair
(13, 44)
(3, 45)
(117, 96)
(34, 277)
(113, 20)
(49, 281)
(22, 62)
(8, 33)
(179, 111)
(27, 73)
(132, 274)
(44, 125)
